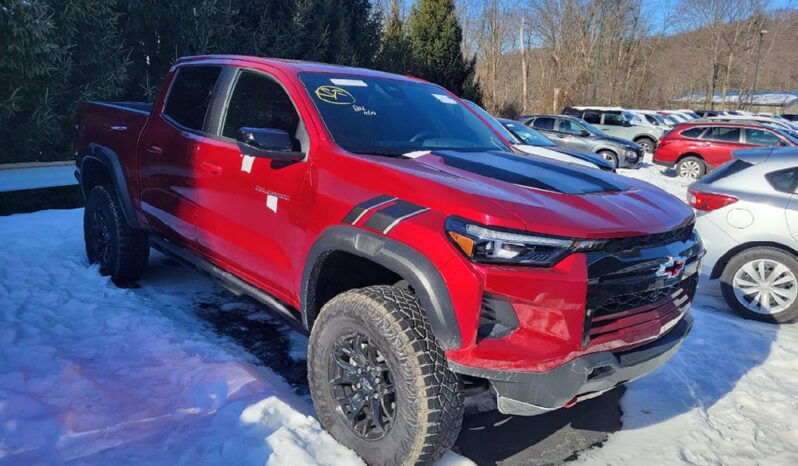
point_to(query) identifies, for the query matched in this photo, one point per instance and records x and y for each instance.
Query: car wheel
(647, 144)
(610, 157)
(762, 284)
(379, 381)
(691, 167)
(121, 251)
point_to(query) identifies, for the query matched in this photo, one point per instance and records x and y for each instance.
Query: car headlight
(489, 245)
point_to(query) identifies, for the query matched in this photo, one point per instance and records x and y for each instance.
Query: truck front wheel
(379, 381)
(121, 251)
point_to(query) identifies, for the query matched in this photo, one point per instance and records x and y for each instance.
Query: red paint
(195, 192)
(674, 146)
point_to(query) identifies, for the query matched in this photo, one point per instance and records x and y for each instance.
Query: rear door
(168, 149)
(718, 142)
(249, 209)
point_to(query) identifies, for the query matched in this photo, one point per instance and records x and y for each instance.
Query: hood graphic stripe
(362, 209)
(387, 218)
(530, 172)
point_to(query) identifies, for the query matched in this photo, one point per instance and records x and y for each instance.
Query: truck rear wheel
(121, 251)
(379, 381)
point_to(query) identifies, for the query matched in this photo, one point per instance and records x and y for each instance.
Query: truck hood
(542, 195)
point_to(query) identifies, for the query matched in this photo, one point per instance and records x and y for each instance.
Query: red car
(381, 215)
(696, 148)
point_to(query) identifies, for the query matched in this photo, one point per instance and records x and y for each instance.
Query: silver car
(747, 215)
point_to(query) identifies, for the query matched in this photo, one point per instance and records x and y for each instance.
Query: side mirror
(268, 143)
(627, 123)
(781, 144)
(583, 134)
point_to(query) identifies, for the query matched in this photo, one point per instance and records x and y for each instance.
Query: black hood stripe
(530, 172)
(387, 218)
(361, 209)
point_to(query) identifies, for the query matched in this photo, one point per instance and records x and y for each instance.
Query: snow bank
(96, 374)
(16, 179)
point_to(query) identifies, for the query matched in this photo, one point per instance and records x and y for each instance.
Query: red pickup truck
(385, 218)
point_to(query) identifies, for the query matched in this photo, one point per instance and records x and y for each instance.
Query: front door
(570, 134)
(249, 209)
(168, 149)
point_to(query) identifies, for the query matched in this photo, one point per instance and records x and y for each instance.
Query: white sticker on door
(246, 163)
(271, 203)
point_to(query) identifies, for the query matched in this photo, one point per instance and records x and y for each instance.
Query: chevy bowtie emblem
(671, 268)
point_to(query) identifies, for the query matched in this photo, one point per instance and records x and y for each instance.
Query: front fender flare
(405, 261)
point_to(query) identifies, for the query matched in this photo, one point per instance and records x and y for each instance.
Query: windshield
(493, 123)
(392, 117)
(527, 134)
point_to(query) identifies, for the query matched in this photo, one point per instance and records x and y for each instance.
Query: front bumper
(529, 394)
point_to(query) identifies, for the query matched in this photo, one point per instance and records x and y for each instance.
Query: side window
(783, 180)
(760, 137)
(613, 119)
(568, 126)
(722, 133)
(190, 95)
(258, 101)
(652, 120)
(545, 123)
(592, 117)
(693, 133)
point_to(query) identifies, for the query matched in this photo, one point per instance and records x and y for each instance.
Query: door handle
(706, 144)
(212, 167)
(117, 128)
(154, 150)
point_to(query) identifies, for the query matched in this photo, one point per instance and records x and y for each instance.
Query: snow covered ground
(16, 179)
(93, 374)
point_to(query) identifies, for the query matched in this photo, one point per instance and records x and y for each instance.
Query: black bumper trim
(664, 164)
(532, 393)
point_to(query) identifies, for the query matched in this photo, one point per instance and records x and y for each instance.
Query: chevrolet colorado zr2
(386, 219)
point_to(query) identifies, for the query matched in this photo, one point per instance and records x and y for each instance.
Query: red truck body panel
(192, 189)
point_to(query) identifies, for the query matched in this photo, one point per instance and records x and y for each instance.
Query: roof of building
(768, 98)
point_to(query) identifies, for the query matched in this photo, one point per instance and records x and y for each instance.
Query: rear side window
(693, 133)
(592, 118)
(726, 170)
(783, 180)
(722, 133)
(613, 119)
(544, 123)
(190, 95)
(760, 137)
(259, 102)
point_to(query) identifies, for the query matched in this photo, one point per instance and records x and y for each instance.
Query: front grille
(660, 302)
(630, 243)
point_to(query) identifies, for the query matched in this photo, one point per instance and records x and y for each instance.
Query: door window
(693, 133)
(722, 133)
(544, 123)
(760, 137)
(570, 127)
(613, 119)
(592, 118)
(258, 101)
(190, 95)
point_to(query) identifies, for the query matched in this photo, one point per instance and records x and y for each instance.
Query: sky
(659, 9)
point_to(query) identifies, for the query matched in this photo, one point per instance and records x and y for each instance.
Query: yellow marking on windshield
(334, 95)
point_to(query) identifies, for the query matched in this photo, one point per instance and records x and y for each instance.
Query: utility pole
(762, 33)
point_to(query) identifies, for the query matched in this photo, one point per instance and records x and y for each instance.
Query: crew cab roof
(294, 66)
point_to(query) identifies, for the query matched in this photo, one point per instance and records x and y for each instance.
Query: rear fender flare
(105, 156)
(405, 261)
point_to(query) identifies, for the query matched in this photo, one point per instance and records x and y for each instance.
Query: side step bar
(231, 282)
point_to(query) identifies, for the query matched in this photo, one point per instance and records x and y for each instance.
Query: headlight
(484, 244)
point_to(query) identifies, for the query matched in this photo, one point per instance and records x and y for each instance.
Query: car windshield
(392, 117)
(528, 135)
(493, 122)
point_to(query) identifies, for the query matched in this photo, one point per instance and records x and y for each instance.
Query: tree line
(55, 53)
(541, 55)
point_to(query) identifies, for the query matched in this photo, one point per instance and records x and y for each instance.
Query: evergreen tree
(53, 53)
(394, 56)
(435, 38)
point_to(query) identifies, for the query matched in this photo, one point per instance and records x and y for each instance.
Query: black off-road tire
(610, 157)
(758, 253)
(429, 399)
(128, 249)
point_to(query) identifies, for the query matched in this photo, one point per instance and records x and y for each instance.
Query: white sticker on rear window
(349, 82)
(444, 98)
